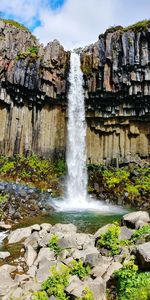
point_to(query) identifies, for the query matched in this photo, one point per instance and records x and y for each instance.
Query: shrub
(140, 232)
(87, 295)
(130, 280)
(53, 244)
(110, 239)
(78, 269)
(56, 283)
(41, 295)
(3, 198)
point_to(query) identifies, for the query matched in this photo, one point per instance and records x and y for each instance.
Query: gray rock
(75, 287)
(92, 259)
(4, 226)
(44, 242)
(33, 240)
(6, 282)
(100, 269)
(44, 269)
(18, 235)
(132, 218)
(113, 267)
(98, 288)
(46, 226)
(64, 228)
(125, 233)
(30, 255)
(4, 255)
(102, 230)
(143, 255)
(45, 253)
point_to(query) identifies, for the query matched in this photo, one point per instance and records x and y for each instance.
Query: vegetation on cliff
(136, 27)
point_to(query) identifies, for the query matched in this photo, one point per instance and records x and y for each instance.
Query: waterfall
(76, 137)
(76, 196)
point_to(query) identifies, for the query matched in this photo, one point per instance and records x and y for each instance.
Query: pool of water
(85, 221)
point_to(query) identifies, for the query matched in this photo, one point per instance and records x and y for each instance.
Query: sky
(74, 23)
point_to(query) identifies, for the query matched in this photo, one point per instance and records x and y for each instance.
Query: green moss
(31, 52)
(16, 24)
(114, 29)
(86, 65)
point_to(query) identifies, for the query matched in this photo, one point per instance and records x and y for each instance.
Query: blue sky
(74, 22)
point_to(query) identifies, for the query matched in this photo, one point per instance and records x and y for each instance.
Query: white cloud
(77, 23)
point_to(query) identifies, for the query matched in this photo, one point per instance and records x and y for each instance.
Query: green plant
(78, 269)
(140, 232)
(131, 189)
(87, 295)
(40, 295)
(3, 198)
(130, 280)
(110, 239)
(53, 244)
(56, 283)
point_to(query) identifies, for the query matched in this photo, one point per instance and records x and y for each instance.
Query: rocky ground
(57, 262)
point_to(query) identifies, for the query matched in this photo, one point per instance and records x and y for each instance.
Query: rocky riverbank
(57, 262)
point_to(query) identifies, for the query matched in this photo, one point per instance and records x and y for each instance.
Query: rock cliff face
(117, 82)
(33, 91)
(32, 94)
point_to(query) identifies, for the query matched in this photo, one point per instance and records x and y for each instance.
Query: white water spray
(76, 143)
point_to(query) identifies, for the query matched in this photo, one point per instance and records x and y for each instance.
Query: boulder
(64, 228)
(102, 230)
(125, 233)
(45, 253)
(75, 287)
(46, 226)
(30, 255)
(97, 287)
(131, 219)
(33, 240)
(18, 235)
(143, 255)
(4, 226)
(4, 255)
(113, 267)
(92, 259)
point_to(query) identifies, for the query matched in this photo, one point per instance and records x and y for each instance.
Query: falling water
(76, 144)
(76, 196)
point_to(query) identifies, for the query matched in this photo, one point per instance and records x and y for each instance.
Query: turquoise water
(87, 222)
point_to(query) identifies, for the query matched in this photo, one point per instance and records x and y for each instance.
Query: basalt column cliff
(33, 94)
(117, 81)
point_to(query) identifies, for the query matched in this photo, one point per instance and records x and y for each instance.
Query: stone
(36, 227)
(6, 282)
(4, 226)
(43, 270)
(113, 267)
(131, 219)
(100, 269)
(4, 255)
(46, 226)
(75, 287)
(101, 230)
(143, 255)
(33, 240)
(64, 228)
(45, 253)
(18, 235)
(98, 288)
(92, 259)
(30, 255)
(125, 233)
